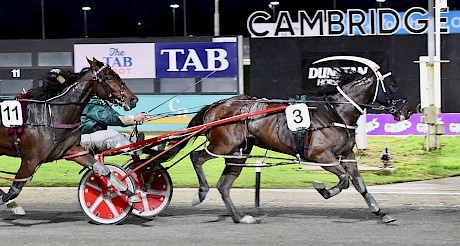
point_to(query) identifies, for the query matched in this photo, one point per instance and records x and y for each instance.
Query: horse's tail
(197, 120)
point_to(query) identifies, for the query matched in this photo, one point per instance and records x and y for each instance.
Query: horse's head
(387, 93)
(110, 86)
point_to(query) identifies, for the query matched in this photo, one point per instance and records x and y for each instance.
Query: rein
(186, 89)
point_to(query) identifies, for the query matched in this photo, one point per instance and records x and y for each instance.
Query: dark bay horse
(51, 127)
(328, 141)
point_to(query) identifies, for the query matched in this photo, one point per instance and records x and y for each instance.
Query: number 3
(297, 116)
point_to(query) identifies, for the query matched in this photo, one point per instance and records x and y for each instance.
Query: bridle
(391, 103)
(102, 80)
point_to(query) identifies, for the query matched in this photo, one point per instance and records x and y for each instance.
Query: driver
(97, 116)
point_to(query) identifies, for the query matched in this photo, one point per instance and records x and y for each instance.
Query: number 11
(16, 73)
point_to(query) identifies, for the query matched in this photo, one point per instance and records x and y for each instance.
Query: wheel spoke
(110, 205)
(96, 203)
(101, 202)
(156, 192)
(145, 202)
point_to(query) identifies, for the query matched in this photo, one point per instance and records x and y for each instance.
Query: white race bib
(297, 117)
(11, 113)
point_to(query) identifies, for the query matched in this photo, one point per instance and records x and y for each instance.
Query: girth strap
(299, 143)
(299, 136)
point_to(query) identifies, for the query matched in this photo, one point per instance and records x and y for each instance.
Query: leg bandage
(14, 191)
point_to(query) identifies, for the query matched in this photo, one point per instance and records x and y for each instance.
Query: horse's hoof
(248, 219)
(15, 208)
(387, 219)
(196, 199)
(318, 185)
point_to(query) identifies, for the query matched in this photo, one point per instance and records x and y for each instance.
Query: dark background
(278, 65)
(21, 19)
(282, 74)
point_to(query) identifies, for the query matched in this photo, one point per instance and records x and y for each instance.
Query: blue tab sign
(200, 59)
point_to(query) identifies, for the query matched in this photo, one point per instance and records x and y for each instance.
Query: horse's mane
(52, 87)
(346, 77)
(342, 78)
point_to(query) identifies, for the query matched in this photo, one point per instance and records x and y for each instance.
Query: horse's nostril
(133, 101)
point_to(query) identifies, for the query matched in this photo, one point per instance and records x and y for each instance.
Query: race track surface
(427, 213)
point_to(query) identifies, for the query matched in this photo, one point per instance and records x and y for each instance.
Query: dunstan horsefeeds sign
(381, 21)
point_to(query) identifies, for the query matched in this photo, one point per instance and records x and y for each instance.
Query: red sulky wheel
(156, 189)
(101, 203)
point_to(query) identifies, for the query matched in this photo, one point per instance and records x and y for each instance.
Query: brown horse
(328, 141)
(51, 127)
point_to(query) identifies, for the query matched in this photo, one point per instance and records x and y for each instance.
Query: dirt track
(428, 213)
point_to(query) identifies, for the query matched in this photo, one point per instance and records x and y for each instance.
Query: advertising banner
(384, 124)
(353, 22)
(200, 59)
(129, 60)
(318, 78)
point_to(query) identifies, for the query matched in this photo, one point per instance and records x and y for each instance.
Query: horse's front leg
(25, 172)
(7, 198)
(338, 170)
(13, 192)
(358, 183)
(89, 161)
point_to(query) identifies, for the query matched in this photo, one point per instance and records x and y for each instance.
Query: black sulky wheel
(101, 203)
(156, 189)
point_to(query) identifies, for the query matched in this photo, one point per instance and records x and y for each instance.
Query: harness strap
(96, 73)
(18, 180)
(343, 125)
(350, 100)
(65, 126)
(17, 142)
(299, 143)
(81, 153)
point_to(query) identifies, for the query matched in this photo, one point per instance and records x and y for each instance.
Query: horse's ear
(92, 64)
(96, 61)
